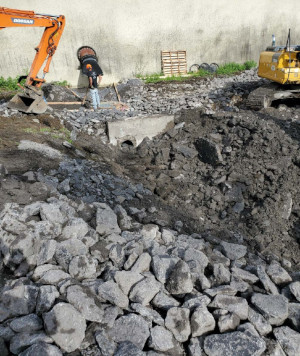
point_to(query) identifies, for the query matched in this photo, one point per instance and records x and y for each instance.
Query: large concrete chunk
(274, 308)
(135, 129)
(131, 328)
(66, 326)
(233, 344)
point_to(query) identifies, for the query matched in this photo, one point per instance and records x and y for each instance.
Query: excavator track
(261, 98)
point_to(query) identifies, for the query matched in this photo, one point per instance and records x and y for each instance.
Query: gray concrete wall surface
(128, 35)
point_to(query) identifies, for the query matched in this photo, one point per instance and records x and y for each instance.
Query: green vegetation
(10, 83)
(231, 68)
(62, 133)
(225, 69)
(63, 83)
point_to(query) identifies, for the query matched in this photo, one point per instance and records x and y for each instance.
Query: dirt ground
(198, 197)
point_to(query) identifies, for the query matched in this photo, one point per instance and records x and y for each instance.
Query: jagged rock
(85, 302)
(295, 289)
(288, 339)
(221, 274)
(106, 220)
(177, 321)
(53, 277)
(52, 213)
(68, 249)
(244, 275)
(66, 326)
(294, 315)
(82, 267)
(249, 329)
(236, 305)
(131, 328)
(110, 291)
(161, 339)
(41, 270)
(142, 264)
(117, 255)
(145, 290)
(164, 301)
(180, 279)
(162, 266)
(106, 346)
(274, 308)
(46, 252)
(20, 300)
(233, 344)
(208, 151)
(24, 339)
(148, 314)
(42, 349)
(228, 322)
(266, 281)
(233, 251)
(192, 254)
(76, 228)
(46, 298)
(259, 322)
(194, 347)
(202, 322)
(195, 302)
(6, 333)
(278, 274)
(127, 279)
(28, 322)
(224, 289)
(128, 348)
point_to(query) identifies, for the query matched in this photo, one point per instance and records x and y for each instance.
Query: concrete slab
(135, 129)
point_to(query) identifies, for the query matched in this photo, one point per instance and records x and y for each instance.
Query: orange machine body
(54, 26)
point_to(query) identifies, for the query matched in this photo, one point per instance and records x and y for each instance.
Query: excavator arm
(54, 26)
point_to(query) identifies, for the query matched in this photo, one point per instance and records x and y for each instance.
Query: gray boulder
(288, 339)
(274, 308)
(177, 321)
(233, 344)
(202, 321)
(180, 279)
(85, 302)
(66, 326)
(42, 349)
(131, 328)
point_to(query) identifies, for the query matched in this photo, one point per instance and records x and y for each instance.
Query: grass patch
(63, 83)
(10, 83)
(62, 133)
(225, 69)
(232, 67)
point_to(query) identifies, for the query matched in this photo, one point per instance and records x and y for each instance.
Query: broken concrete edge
(135, 129)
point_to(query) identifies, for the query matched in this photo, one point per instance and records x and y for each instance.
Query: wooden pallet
(173, 62)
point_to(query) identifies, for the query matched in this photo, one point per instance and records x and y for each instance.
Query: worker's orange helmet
(88, 66)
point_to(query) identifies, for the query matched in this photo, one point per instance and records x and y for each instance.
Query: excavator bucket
(29, 102)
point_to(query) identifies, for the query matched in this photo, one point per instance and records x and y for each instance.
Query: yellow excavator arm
(54, 26)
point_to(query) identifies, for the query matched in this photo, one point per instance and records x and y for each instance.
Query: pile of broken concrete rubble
(89, 278)
(96, 265)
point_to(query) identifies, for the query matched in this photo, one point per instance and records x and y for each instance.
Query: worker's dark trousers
(95, 98)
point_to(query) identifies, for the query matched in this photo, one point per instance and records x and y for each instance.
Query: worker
(94, 81)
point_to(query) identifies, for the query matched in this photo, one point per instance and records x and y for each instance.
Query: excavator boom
(54, 26)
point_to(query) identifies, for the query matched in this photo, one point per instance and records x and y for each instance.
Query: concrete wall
(128, 35)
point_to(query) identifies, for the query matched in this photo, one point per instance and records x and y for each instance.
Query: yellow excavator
(31, 99)
(281, 65)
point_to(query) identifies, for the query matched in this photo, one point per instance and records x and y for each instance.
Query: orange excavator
(31, 100)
